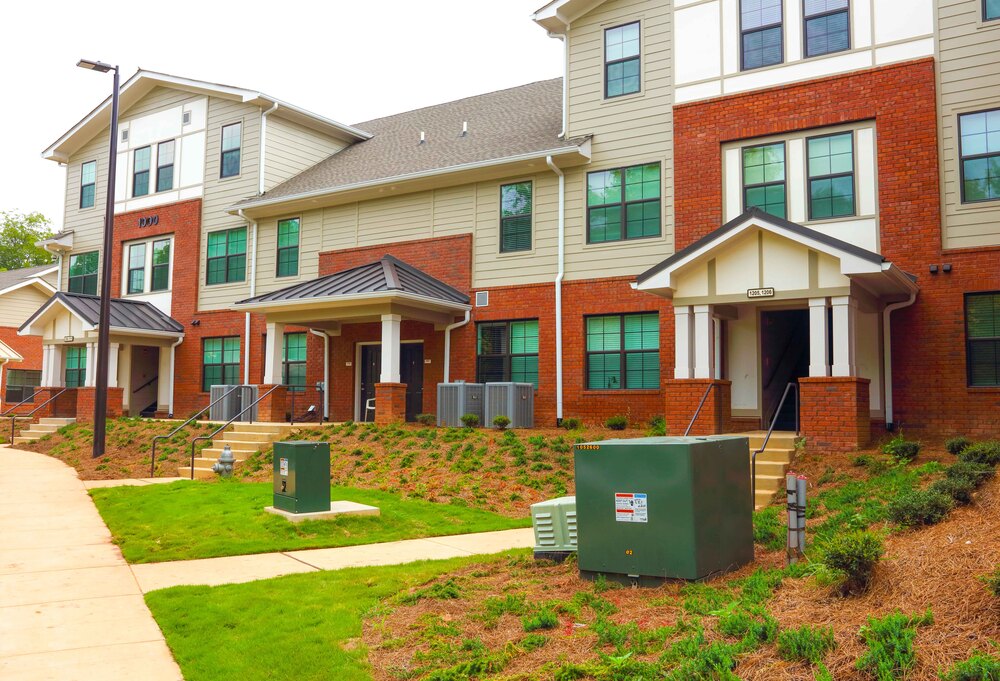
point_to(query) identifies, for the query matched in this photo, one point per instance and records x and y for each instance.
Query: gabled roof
(143, 81)
(9, 354)
(11, 280)
(556, 16)
(126, 315)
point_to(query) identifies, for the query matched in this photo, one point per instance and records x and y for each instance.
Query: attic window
(186, 118)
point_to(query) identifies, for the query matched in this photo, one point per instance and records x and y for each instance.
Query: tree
(18, 234)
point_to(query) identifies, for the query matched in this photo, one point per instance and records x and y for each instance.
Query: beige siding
(291, 148)
(18, 305)
(159, 99)
(969, 80)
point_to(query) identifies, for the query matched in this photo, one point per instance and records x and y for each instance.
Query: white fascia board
(388, 296)
(557, 16)
(41, 317)
(33, 281)
(9, 354)
(123, 331)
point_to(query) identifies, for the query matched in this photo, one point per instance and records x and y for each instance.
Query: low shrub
(978, 473)
(919, 507)
(657, 427)
(992, 582)
(958, 489)
(543, 619)
(855, 554)
(982, 452)
(901, 449)
(979, 667)
(890, 644)
(426, 419)
(957, 445)
(617, 422)
(571, 423)
(807, 643)
(470, 420)
(501, 422)
(533, 642)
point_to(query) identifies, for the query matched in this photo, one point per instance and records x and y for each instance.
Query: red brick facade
(390, 399)
(85, 403)
(835, 413)
(684, 398)
(30, 348)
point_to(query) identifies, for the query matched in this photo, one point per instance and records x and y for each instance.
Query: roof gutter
(564, 37)
(350, 297)
(560, 273)
(263, 146)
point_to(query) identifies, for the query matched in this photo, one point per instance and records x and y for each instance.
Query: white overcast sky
(350, 61)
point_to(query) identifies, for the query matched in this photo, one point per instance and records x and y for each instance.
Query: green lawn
(296, 627)
(186, 520)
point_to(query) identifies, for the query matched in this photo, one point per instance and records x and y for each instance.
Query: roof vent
(125, 135)
(482, 298)
(465, 128)
(186, 118)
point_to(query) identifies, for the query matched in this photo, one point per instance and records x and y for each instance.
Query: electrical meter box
(302, 476)
(659, 508)
(554, 523)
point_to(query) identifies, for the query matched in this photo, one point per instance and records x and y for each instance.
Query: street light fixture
(103, 337)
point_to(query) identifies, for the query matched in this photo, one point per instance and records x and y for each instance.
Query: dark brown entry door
(411, 372)
(784, 359)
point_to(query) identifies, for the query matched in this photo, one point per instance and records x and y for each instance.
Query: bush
(992, 582)
(571, 423)
(890, 644)
(919, 507)
(978, 473)
(617, 422)
(657, 426)
(470, 420)
(855, 554)
(426, 419)
(979, 667)
(501, 422)
(958, 489)
(957, 445)
(807, 643)
(982, 452)
(543, 619)
(901, 449)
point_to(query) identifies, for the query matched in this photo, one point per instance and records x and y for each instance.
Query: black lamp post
(103, 337)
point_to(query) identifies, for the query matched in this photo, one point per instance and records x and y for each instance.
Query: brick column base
(85, 401)
(834, 413)
(390, 402)
(683, 395)
(272, 407)
(63, 406)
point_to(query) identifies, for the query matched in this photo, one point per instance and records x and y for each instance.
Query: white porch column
(164, 380)
(819, 351)
(90, 379)
(682, 342)
(390, 348)
(704, 342)
(844, 311)
(717, 335)
(113, 364)
(273, 347)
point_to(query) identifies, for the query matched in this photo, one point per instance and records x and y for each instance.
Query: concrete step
(771, 468)
(770, 483)
(782, 455)
(241, 445)
(50, 420)
(762, 498)
(210, 456)
(25, 439)
(250, 436)
(272, 428)
(778, 440)
(199, 473)
(45, 427)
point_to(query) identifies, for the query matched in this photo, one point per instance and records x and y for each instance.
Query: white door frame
(356, 395)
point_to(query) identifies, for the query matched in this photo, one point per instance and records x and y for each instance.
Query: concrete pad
(489, 542)
(149, 661)
(129, 482)
(370, 555)
(53, 538)
(66, 585)
(215, 571)
(83, 521)
(337, 508)
(14, 561)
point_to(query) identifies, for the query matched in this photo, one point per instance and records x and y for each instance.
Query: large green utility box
(302, 476)
(659, 508)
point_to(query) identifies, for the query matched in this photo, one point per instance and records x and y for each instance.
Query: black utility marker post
(103, 336)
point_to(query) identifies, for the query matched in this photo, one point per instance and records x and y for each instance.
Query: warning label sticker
(630, 507)
(283, 467)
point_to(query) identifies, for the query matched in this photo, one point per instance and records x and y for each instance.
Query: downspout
(447, 343)
(326, 371)
(887, 354)
(253, 292)
(263, 146)
(3, 363)
(564, 37)
(173, 374)
(59, 272)
(560, 273)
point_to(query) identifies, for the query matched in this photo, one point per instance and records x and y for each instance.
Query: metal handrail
(15, 417)
(152, 462)
(291, 395)
(221, 428)
(148, 383)
(22, 402)
(698, 410)
(794, 387)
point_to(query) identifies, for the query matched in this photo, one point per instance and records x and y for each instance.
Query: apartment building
(719, 200)
(22, 291)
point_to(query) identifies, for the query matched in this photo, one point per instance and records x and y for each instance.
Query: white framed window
(147, 265)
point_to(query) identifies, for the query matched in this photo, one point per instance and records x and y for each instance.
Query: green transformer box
(302, 476)
(660, 508)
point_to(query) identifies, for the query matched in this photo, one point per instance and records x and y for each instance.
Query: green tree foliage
(18, 234)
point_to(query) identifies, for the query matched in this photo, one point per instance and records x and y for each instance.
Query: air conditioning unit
(516, 401)
(233, 403)
(454, 400)
(554, 522)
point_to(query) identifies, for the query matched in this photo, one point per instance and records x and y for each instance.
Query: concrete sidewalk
(70, 607)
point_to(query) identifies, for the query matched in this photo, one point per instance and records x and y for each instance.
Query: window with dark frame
(136, 268)
(293, 366)
(288, 248)
(761, 34)
(160, 279)
(623, 352)
(622, 60)
(991, 10)
(88, 184)
(83, 273)
(982, 338)
(227, 256)
(979, 148)
(21, 385)
(165, 166)
(623, 203)
(220, 362)
(764, 178)
(827, 26)
(515, 217)
(507, 351)
(831, 175)
(229, 163)
(140, 171)
(76, 366)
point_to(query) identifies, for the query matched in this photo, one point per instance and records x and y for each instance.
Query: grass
(187, 520)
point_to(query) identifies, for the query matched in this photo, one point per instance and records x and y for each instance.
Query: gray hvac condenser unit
(233, 403)
(516, 401)
(457, 399)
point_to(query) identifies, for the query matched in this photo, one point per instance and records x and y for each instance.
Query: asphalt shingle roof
(125, 314)
(12, 277)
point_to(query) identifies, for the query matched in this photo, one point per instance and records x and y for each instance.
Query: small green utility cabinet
(302, 476)
(660, 508)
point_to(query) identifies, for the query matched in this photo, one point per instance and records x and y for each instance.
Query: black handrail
(22, 402)
(13, 419)
(698, 410)
(794, 387)
(150, 382)
(152, 462)
(291, 395)
(221, 428)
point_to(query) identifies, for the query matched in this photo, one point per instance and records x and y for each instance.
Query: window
(621, 60)
(982, 338)
(230, 163)
(507, 351)
(227, 256)
(220, 362)
(760, 33)
(827, 26)
(515, 217)
(83, 273)
(293, 368)
(991, 10)
(21, 384)
(623, 351)
(136, 268)
(161, 266)
(980, 150)
(764, 178)
(88, 183)
(831, 176)
(165, 166)
(623, 195)
(140, 171)
(288, 247)
(76, 366)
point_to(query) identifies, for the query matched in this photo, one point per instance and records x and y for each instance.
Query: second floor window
(140, 171)
(220, 362)
(827, 26)
(761, 42)
(161, 266)
(288, 247)
(88, 184)
(831, 176)
(622, 60)
(76, 366)
(982, 338)
(623, 351)
(507, 351)
(165, 166)
(623, 203)
(764, 178)
(991, 10)
(227, 256)
(515, 217)
(136, 268)
(293, 368)
(230, 160)
(83, 273)
(980, 151)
